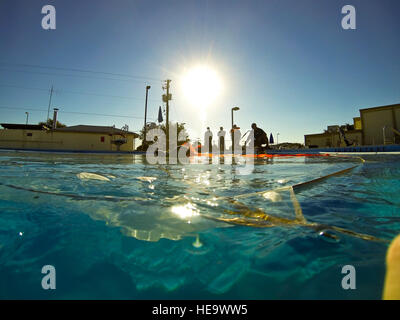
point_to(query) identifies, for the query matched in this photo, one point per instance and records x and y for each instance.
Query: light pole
(277, 137)
(233, 134)
(145, 114)
(27, 117)
(234, 109)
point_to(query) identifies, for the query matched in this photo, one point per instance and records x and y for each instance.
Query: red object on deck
(266, 155)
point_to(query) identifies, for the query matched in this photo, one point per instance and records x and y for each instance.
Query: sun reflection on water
(185, 211)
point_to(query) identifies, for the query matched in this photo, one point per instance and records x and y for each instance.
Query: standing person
(208, 140)
(236, 136)
(221, 139)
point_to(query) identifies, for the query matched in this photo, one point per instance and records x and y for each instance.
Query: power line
(103, 115)
(26, 108)
(104, 95)
(21, 87)
(74, 112)
(76, 92)
(70, 75)
(81, 70)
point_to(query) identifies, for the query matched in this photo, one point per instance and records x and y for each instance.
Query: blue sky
(288, 65)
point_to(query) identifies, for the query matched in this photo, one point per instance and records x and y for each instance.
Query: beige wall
(322, 140)
(373, 121)
(355, 136)
(357, 123)
(397, 120)
(369, 129)
(41, 139)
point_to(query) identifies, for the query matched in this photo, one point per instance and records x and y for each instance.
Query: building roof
(95, 129)
(79, 128)
(22, 126)
(331, 133)
(390, 106)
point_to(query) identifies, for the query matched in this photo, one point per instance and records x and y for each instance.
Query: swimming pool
(115, 227)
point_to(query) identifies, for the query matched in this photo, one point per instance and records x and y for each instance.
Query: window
(29, 134)
(102, 139)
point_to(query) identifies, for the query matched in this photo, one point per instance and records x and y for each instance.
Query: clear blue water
(132, 237)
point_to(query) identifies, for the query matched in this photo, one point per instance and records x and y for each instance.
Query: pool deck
(378, 149)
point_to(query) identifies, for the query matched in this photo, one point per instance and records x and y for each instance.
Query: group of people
(256, 136)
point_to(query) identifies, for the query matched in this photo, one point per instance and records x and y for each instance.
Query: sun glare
(201, 85)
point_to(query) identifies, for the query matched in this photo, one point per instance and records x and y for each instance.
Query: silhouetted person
(259, 136)
(221, 138)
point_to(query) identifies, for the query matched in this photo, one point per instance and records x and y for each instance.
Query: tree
(180, 129)
(177, 127)
(49, 124)
(149, 126)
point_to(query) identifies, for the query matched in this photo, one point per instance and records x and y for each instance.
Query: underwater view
(116, 227)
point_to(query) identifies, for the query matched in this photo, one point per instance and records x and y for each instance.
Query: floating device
(92, 176)
(147, 179)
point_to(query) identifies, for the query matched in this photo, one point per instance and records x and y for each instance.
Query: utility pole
(48, 109)
(145, 115)
(166, 98)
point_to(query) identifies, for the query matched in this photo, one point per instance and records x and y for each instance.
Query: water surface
(132, 235)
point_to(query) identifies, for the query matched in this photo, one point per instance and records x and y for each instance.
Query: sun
(201, 85)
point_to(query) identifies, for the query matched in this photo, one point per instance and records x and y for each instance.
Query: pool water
(116, 227)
